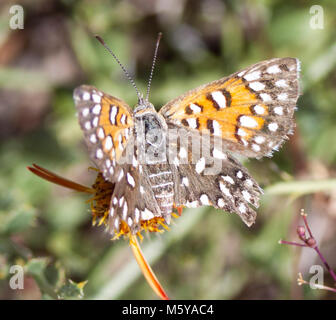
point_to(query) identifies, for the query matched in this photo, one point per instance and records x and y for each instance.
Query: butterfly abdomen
(161, 180)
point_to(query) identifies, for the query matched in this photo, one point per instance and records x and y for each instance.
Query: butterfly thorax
(151, 135)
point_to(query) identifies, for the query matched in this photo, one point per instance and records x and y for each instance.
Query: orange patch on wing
(242, 102)
(117, 129)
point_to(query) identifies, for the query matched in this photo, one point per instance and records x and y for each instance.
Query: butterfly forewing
(107, 125)
(251, 110)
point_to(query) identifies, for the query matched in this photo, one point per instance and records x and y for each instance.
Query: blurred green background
(207, 254)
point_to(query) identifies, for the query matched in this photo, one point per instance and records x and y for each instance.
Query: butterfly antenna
(121, 66)
(153, 64)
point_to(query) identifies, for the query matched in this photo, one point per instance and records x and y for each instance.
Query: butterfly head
(143, 107)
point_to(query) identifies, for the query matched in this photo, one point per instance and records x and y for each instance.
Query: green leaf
(72, 290)
(301, 187)
(17, 220)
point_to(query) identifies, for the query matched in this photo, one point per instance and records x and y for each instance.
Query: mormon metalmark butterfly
(161, 160)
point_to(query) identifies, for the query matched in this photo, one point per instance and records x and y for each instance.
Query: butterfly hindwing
(251, 110)
(132, 200)
(216, 179)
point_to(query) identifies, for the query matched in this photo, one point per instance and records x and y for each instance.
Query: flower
(100, 204)
(101, 192)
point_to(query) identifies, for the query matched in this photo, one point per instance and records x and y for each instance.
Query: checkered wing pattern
(251, 110)
(132, 199)
(215, 179)
(107, 124)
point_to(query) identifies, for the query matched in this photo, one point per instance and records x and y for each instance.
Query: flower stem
(146, 269)
(331, 271)
(292, 243)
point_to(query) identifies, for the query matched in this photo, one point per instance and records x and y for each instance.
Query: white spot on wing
(246, 195)
(220, 202)
(195, 108)
(136, 215)
(248, 122)
(87, 125)
(258, 109)
(278, 111)
(259, 139)
(219, 154)
(265, 97)
(96, 98)
(96, 109)
(273, 126)
(228, 179)
(121, 174)
(257, 86)
(95, 121)
(125, 207)
(281, 83)
(219, 98)
(108, 163)
(85, 112)
(205, 199)
(255, 147)
(282, 96)
(99, 154)
(200, 165)
(129, 221)
(147, 215)
(113, 114)
(217, 128)
(93, 138)
(242, 208)
(252, 76)
(273, 69)
(193, 204)
(224, 189)
(86, 96)
(101, 133)
(192, 123)
(185, 181)
(241, 132)
(116, 223)
(108, 143)
(249, 183)
(130, 179)
(123, 119)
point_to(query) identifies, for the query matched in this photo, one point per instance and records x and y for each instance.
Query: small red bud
(301, 231)
(311, 242)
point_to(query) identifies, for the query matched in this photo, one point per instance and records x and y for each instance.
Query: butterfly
(156, 159)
